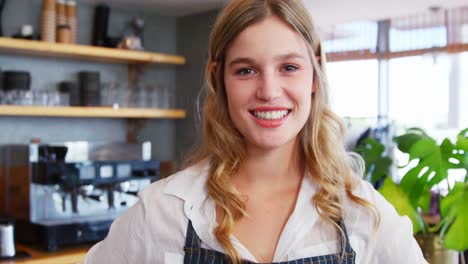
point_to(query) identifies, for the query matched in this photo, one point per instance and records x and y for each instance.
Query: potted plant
(428, 165)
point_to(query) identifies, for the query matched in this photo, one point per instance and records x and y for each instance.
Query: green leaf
(463, 132)
(450, 151)
(371, 151)
(431, 169)
(462, 140)
(425, 200)
(454, 207)
(381, 168)
(406, 141)
(464, 163)
(419, 187)
(451, 199)
(416, 181)
(398, 198)
(441, 174)
(423, 148)
(410, 178)
(462, 144)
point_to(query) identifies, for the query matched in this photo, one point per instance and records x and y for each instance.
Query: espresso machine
(69, 193)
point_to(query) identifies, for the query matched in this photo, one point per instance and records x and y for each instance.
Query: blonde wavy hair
(321, 139)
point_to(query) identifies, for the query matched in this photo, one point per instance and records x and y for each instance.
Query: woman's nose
(269, 87)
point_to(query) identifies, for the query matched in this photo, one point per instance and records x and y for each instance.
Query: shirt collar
(189, 184)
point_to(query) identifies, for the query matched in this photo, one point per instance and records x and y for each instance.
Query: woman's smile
(270, 116)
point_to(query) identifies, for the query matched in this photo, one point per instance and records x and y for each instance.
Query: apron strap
(191, 239)
(348, 248)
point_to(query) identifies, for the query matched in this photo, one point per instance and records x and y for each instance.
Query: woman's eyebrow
(287, 56)
(241, 61)
(292, 55)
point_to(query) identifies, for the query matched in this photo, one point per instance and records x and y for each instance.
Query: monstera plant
(428, 165)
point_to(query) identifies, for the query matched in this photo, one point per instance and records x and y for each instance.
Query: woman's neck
(272, 169)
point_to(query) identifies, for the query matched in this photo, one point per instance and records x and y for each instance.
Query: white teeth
(270, 115)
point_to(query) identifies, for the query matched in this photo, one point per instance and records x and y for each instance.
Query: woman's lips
(270, 117)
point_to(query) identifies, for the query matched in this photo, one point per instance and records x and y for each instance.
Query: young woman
(271, 181)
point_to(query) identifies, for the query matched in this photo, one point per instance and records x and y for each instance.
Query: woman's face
(269, 82)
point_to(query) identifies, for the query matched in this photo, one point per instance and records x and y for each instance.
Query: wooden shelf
(73, 51)
(91, 112)
(69, 255)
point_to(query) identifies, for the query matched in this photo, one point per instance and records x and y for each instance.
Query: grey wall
(160, 35)
(193, 34)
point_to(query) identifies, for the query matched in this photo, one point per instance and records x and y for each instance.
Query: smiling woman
(268, 81)
(271, 181)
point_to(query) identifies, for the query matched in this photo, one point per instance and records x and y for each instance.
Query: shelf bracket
(134, 72)
(134, 127)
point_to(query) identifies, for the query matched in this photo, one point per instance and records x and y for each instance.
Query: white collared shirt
(153, 230)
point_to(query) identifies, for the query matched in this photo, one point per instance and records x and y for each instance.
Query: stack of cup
(60, 8)
(48, 21)
(63, 32)
(70, 14)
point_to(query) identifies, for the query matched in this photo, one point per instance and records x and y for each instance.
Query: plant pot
(434, 251)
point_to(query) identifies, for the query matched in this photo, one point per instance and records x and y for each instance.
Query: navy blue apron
(195, 254)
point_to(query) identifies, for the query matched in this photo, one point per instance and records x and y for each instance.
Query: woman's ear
(213, 66)
(314, 82)
(314, 79)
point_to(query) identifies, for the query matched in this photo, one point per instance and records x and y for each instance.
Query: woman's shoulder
(360, 188)
(175, 187)
(393, 232)
(365, 190)
(157, 220)
(164, 207)
(362, 218)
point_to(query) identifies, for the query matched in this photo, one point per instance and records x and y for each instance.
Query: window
(418, 32)
(354, 88)
(463, 96)
(423, 60)
(348, 37)
(419, 91)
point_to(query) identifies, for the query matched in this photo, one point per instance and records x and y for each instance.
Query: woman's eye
(290, 68)
(245, 71)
